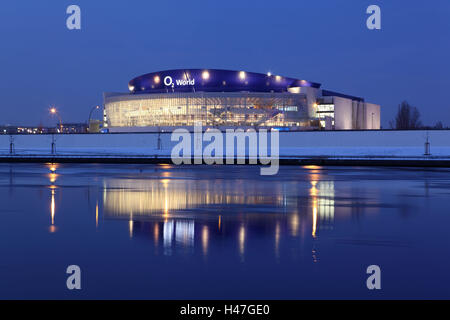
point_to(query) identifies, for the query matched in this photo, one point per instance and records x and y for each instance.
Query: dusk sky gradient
(43, 63)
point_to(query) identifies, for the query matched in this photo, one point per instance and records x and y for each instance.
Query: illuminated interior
(211, 109)
(325, 111)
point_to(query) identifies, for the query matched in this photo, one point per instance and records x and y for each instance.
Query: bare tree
(392, 124)
(408, 117)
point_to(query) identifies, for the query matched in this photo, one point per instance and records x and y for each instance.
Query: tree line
(408, 118)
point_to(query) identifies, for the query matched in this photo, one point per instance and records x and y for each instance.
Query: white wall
(343, 113)
(351, 114)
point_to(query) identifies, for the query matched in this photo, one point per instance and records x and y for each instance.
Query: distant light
(269, 74)
(131, 88)
(53, 110)
(156, 79)
(205, 75)
(242, 75)
(278, 78)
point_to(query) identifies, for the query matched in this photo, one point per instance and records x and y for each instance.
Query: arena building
(164, 100)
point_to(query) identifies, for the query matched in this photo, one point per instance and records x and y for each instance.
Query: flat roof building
(224, 98)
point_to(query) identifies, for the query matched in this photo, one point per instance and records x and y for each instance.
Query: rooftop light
(205, 75)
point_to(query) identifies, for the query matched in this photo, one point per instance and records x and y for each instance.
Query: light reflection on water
(183, 206)
(231, 216)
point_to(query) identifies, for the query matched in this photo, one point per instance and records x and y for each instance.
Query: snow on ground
(354, 144)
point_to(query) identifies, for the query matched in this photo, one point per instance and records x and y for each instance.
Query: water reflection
(322, 199)
(277, 240)
(242, 241)
(52, 176)
(182, 207)
(130, 227)
(292, 227)
(96, 214)
(205, 239)
(156, 197)
(181, 211)
(52, 210)
(168, 229)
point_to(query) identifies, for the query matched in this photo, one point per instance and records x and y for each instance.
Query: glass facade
(209, 108)
(325, 111)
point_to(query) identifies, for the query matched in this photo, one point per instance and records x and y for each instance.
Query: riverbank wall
(375, 147)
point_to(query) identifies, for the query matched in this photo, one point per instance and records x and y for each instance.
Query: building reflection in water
(130, 227)
(179, 209)
(277, 239)
(52, 176)
(322, 199)
(179, 213)
(96, 214)
(322, 202)
(205, 240)
(242, 241)
(185, 232)
(168, 229)
(52, 210)
(147, 197)
(156, 234)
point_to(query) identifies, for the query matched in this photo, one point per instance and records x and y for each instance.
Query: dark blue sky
(43, 63)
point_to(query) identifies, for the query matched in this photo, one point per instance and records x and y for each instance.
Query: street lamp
(53, 111)
(90, 114)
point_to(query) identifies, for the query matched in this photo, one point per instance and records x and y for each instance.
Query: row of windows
(324, 115)
(325, 108)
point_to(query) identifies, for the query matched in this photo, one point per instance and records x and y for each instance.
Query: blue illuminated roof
(213, 80)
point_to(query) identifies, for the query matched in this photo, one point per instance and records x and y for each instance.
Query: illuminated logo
(168, 82)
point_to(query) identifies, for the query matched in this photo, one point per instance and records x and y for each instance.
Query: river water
(212, 232)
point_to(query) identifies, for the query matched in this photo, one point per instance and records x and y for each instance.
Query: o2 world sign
(168, 82)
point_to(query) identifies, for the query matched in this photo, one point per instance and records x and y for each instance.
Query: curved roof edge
(213, 80)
